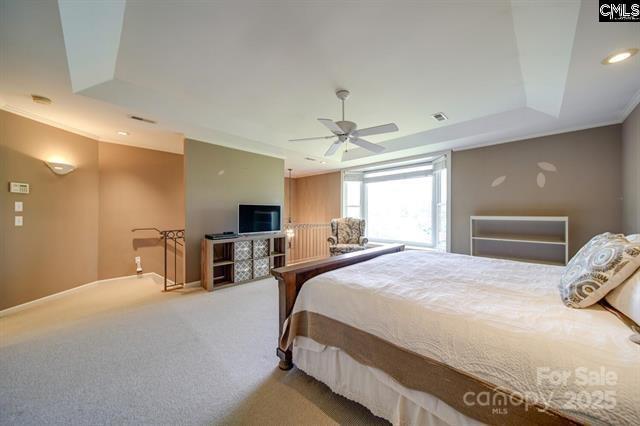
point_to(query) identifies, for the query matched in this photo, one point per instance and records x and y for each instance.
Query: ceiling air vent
(439, 116)
(310, 159)
(41, 99)
(146, 120)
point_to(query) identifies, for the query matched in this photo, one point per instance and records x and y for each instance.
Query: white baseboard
(157, 278)
(193, 284)
(54, 296)
(160, 280)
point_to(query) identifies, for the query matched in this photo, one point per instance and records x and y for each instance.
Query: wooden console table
(232, 261)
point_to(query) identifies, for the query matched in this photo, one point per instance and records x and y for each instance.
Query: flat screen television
(255, 218)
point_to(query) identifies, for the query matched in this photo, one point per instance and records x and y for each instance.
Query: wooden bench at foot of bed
(291, 279)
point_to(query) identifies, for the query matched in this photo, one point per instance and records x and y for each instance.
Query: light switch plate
(18, 221)
(18, 206)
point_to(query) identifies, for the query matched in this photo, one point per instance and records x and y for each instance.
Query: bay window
(401, 202)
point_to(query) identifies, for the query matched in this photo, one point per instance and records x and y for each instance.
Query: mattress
(499, 321)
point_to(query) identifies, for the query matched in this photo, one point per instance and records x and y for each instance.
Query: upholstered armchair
(347, 235)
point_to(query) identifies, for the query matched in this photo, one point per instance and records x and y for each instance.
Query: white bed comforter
(498, 320)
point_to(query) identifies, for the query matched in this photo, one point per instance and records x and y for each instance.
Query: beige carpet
(125, 353)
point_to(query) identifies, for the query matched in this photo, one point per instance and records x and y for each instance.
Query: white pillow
(626, 297)
(634, 238)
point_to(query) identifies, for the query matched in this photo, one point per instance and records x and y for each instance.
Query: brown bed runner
(457, 388)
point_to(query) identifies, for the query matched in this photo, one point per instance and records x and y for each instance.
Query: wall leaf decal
(541, 179)
(498, 181)
(547, 167)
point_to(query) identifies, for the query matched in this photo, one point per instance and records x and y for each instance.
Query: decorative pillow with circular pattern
(598, 267)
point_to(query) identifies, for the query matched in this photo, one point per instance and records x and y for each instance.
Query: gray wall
(216, 180)
(587, 185)
(630, 172)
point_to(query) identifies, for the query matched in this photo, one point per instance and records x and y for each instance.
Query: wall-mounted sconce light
(60, 168)
(290, 233)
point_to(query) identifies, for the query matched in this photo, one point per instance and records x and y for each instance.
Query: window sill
(406, 246)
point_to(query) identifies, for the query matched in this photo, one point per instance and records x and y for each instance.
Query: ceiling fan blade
(333, 148)
(367, 145)
(377, 130)
(312, 139)
(331, 126)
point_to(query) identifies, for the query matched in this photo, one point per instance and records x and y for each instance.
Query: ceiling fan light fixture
(348, 131)
(343, 94)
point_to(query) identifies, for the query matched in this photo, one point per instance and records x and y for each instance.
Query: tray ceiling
(253, 74)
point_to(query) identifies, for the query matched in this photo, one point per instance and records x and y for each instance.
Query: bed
(422, 337)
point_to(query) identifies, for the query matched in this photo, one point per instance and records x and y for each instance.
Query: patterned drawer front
(242, 250)
(243, 271)
(261, 267)
(260, 248)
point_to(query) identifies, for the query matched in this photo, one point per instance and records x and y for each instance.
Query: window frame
(345, 195)
(410, 163)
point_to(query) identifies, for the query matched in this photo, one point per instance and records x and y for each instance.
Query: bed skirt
(372, 388)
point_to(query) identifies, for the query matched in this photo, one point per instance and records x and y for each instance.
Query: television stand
(230, 261)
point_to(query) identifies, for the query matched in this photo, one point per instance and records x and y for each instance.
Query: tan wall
(586, 187)
(316, 199)
(77, 228)
(217, 179)
(57, 248)
(631, 172)
(289, 199)
(138, 188)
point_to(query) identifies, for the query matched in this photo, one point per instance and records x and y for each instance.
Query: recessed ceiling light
(323, 162)
(619, 56)
(41, 99)
(122, 133)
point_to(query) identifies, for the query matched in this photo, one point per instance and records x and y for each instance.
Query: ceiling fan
(348, 131)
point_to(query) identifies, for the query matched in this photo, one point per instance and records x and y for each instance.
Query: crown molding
(633, 103)
(540, 135)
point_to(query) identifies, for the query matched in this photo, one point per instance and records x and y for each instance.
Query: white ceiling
(253, 74)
